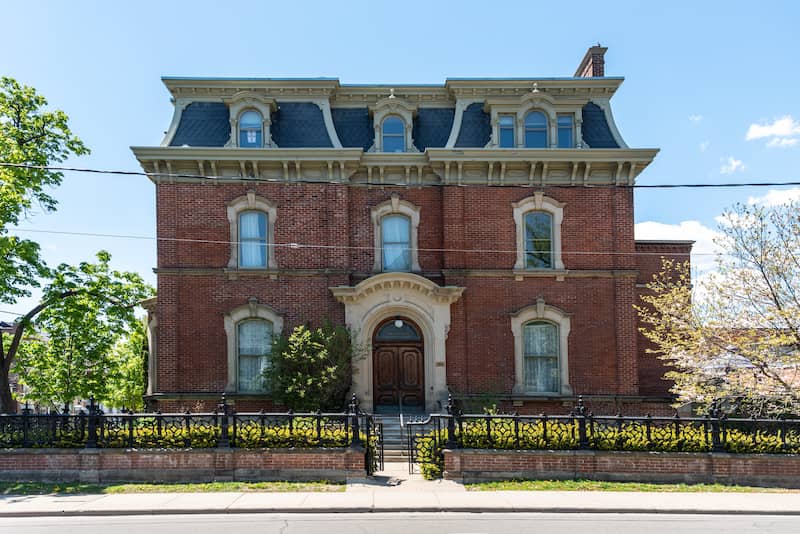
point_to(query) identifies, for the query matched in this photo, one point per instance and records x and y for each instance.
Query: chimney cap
(593, 63)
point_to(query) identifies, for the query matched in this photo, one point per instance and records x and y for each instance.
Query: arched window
(394, 135)
(396, 243)
(253, 239)
(250, 130)
(538, 240)
(541, 357)
(535, 130)
(254, 345)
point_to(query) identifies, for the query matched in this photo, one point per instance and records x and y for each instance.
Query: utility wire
(390, 184)
(293, 245)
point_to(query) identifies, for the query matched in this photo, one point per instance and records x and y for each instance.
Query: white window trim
(390, 207)
(398, 107)
(246, 101)
(540, 312)
(251, 310)
(252, 202)
(538, 202)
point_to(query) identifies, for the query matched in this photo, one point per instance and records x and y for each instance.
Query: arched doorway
(398, 364)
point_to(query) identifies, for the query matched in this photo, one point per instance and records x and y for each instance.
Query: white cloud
(695, 118)
(731, 165)
(704, 146)
(781, 132)
(704, 249)
(776, 197)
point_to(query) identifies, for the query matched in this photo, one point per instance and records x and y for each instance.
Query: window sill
(559, 274)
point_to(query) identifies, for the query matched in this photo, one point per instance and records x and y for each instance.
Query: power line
(293, 245)
(391, 184)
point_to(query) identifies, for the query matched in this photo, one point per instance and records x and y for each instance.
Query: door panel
(399, 373)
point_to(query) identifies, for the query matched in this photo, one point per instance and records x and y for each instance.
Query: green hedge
(628, 436)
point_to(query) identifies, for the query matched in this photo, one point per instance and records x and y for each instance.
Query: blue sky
(699, 76)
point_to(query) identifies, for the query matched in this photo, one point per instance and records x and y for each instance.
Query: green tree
(31, 137)
(312, 368)
(128, 370)
(736, 337)
(84, 312)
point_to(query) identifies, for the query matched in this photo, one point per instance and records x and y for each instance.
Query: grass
(595, 485)
(75, 488)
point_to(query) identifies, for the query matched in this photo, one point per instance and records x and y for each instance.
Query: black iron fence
(580, 429)
(222, 428)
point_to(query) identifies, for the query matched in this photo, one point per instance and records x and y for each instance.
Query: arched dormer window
(395, 224)
(251, 134)
(538, 221)
(536, 130)
(394, 134)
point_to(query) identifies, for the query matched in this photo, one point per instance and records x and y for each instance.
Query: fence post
(716, 441)
(354, 408)
(580, 411)
(224, 441)
(451, 423)
(91, 440)
(26, 417)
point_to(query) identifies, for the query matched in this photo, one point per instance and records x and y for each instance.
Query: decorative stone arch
(395, 206)
(252, 310)
(404, 295)
(247, 202)
(540, 312)
(246, 101)
(538, 202)
(399, 107)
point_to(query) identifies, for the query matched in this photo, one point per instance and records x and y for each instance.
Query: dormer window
(535, 130)
(394, 135)
(506, 131)
(251, 130)
(565, 131)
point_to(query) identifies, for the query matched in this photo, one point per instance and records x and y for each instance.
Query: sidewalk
(395, 491)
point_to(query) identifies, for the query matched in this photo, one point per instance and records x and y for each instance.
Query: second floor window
(394, 135)
(253, 239)
(535, 130)
(506, 131)
(565, 136)
(250, 130)
(538, 240)
(396, 243)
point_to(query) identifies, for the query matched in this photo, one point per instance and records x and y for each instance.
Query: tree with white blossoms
(734, 340)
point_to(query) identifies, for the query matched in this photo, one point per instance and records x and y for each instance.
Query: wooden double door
(398, 374)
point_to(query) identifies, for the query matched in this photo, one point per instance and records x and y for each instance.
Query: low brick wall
(199, 465)
(475, 465)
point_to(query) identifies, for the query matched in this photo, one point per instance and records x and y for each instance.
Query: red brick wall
(756, 469)
(598, 291)
(201, 465)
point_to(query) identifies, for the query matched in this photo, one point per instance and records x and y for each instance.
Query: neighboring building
(476, 236)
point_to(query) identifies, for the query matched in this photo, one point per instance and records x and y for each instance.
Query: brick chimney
(593, 65)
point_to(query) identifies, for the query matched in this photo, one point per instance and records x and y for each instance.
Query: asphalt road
(405, 523)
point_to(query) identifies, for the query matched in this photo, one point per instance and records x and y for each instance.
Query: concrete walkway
(393, 490)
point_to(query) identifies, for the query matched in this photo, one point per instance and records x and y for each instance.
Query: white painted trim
(461, 105)
(538, 202)
(541, 312)
(246, 101)
(386, 107)
(395, 206)
(251, 310)
(247, 202)
(152, 356)
(325, 106)
(177, 112)
(388, 295)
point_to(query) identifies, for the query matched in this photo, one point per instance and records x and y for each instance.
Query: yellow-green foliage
(608, 435)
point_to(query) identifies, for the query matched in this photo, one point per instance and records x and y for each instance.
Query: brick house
(476, 236)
